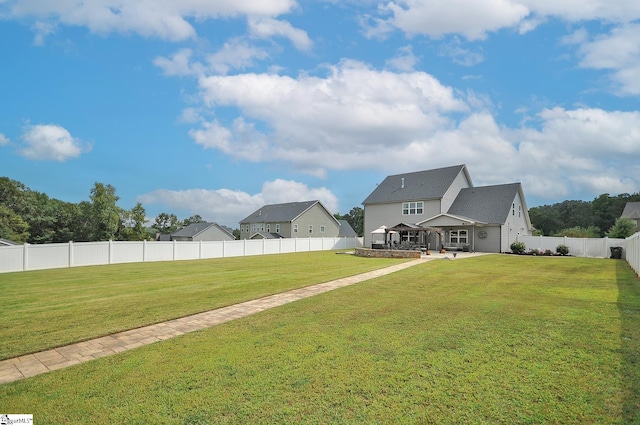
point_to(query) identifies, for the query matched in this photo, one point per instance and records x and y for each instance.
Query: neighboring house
(291, 220)
(203, 232)
(265, 235)
(7, 242)
(441, 208)
(632, 212)
(346, 231)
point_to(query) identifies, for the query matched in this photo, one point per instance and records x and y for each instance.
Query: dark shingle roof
(429, 184)
(346, 230)
(486, 204)
(275, 213)
(632, 210)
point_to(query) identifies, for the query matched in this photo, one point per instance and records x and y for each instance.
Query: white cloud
(228, 207)
(51, 142)
(460, 55)
(471, 19)
(405, 60)
(313, 120)
(265, 27)
(166, 19)
(235, 54)
(619, 52)
(4, 140)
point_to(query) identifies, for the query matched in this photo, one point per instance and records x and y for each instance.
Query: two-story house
(441, 208)
(290, 220)
(632, 212)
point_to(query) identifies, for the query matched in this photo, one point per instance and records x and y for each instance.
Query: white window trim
(310, 228)
(295, 228)
(413, 208)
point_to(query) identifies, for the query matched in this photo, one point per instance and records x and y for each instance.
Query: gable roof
(428, 184)
(195, 229)
(486, 204)
(632, 210)
(266, 235)
(346, 230)
(279, 213)
(7, 242)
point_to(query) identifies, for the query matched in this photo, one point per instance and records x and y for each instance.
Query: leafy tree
(12, 226)
(622, 228)
(193, 219)
(166, 223)
(105, 212)
(355, 218)
(546, 218)
(133, 222)
(580, 232)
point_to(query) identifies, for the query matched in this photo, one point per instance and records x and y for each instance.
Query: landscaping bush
(562, 249)
(518, 247)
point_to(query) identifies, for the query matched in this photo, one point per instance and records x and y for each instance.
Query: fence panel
(187, 250)
(12, 258)
(126, 252)
(632, 253)
(159, 251)
(212, 249)
(579, 247)
(50, 256)
(90, 253)
(72, 254)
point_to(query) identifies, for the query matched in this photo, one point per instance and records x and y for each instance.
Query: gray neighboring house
(486, 218)
(203, 232)
(7, 242)
(346, 231)
(632, 212)
(290, 220)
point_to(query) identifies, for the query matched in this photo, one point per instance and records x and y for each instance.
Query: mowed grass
(488, 340)
(50, 308)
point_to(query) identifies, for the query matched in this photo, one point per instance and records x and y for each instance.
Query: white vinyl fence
(632, 253)
(50, 256)
(579, 247)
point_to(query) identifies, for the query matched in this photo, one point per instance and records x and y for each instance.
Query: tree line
(594, 219)
(33, 217)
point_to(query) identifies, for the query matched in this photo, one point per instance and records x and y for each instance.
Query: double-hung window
(295, 228)
(459, 236)
(412, 208)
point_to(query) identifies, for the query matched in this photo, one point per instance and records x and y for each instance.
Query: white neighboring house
(486, 218)
(307, 219)
(203, 232)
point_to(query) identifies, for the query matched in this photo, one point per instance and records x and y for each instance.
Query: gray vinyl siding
(459, 183)
(316, 217)
(491, 243)
(377, 215)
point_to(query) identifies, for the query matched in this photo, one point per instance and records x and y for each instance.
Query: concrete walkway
(61, 357)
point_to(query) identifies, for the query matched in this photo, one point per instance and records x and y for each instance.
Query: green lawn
(49, 308)
(496, 339)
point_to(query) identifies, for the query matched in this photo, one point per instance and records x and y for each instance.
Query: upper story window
(268, 228)
(295, 228)
(277, 228)
(321, 229)
(311, 228)
(412, 208)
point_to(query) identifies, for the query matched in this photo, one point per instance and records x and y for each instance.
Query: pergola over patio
(414, 232)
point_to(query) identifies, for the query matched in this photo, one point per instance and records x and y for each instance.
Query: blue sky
(219, 107)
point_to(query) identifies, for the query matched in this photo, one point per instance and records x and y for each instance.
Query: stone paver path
(69, 355)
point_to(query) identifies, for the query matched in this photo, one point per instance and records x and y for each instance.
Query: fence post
(175, 249)
(25, 257)
(144, 250)
(70, 253)
(110, 251)
(200, 250)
